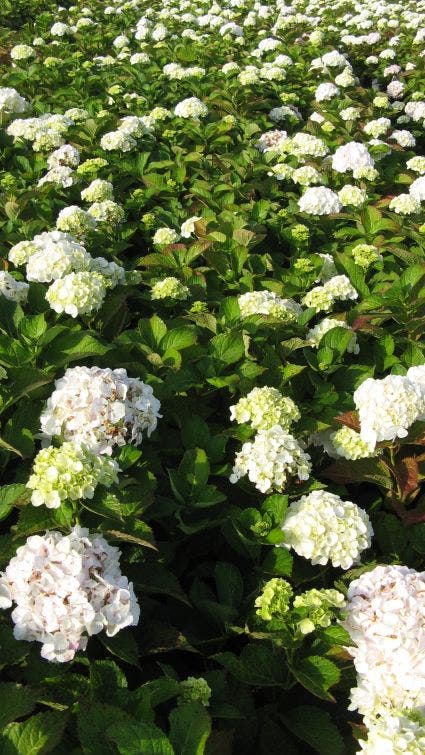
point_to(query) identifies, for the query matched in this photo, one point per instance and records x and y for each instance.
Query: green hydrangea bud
(274, 599)
(195, 690)
(198, 307)
(300, 233)
(365, 255)
(317, 608)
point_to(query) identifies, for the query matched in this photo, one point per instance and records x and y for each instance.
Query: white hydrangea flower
(417, 189)
(326, 91)
(337, 288)
(349, 444)
(403, 138)
(302, 145)
(60, 29)
(385, 620)
(417, 164)
(271, 140)
(352, 195)
(65, 155)
(165, 236)
(268, 303)
(265, 407)
(69, 473)
(60, 175)
(169, 288)
(117, 140)
(75, 220)
(12, 289)
(107, 211)
(22, 52)
(351, 156)
(113, 274)
(98, 191)
(133, 126)
(395, 733)
(405, 204)
(191, 107)
(20, 253)
(306, 175)
(315, 334)
(377, 128)
(188, 227)
(77, 293)
(55, 254)
(67, 588)
(387, 407)
(272, 457)
(12, 102)
(100, 408)
(320, 201)
(321, 527)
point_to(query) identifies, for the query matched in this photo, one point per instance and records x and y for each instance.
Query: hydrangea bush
(212, 377)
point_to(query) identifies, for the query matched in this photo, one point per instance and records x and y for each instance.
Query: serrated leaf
(134, 738)
(39, 734)
(317, 674)
(316, 728)
(190, 727)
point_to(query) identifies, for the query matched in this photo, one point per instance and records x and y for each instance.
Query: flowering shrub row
(212, 366)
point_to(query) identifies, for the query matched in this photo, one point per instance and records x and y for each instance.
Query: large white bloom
(319, 200)
(322, 527)
(100, 408)
(387, 407)
(67, 588)
(270, 459)
(385, 620)
(351, 156)
(268, 303)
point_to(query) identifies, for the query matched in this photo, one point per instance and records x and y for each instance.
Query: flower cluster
(321, 527)
(385, 620)
(69, 472)
(67, 588)
(388, 407)
(100, 408)
(265, 407)
(268, 303)
(270, 459)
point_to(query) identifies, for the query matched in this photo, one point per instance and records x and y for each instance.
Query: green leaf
(16, 701)
(194, 468)
(39, 734)
(228, 347)
(123, 646)
(317, 674)
(229, 584)
(10, 495)
(93, 721)
(179, 338)
(32, 520)
(278, 561)
(190, 727)
(259, 665)
(390, 534)
(71, 347)
(315, 727)
(417, 537)
(135, 738)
